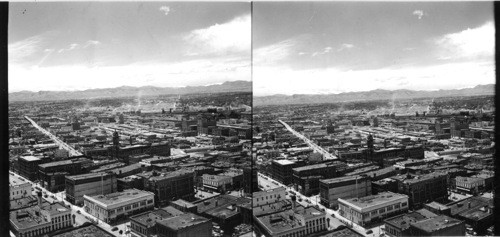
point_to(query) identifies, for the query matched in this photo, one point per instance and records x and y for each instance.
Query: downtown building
(306, 178)
(89, 184)
(164, 223)
(299, 221)
(40, 219)
(424, 188)
(52, 175)
(113, 206)
(282, 170)
(372, 209)
(343, 187)
(169, 186)
(18, 187)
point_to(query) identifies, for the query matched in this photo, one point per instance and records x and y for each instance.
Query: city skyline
(335, 47)
(104, 45)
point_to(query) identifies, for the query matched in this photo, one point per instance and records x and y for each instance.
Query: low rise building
(399, 225)
(438, 226)
(113, 206)
(268, 196)
(300, 221)
(184, 225)
(40, 219)
(371, 209)
(469, 185)
(18, 187)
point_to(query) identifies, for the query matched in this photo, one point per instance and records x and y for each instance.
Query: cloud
(276, 52)
(345, 46)
(20, 50)
(91, 42)
(81, 77)
(470, 43)
(165, 9)
(419, 14)
(284, 80)
(230, 37)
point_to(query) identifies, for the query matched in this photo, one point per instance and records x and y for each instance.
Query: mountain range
(125, 91)
(378, 94)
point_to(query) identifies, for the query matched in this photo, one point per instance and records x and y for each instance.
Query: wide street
(326, 155)
(61, 144)
(334, 217)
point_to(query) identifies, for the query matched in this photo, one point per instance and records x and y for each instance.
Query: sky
(86, 45)
(336, 47)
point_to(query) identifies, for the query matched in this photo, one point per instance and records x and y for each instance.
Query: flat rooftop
(403, 221)
(284, 162)
(118, 197)
(183, 221)
(30, 158)
(342, 179)
(149, 218)
(374, 200)
(85, 230)
(15, 180)
(86, 176)
(436, 223)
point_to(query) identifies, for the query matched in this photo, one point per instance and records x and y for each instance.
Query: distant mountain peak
(125, 91)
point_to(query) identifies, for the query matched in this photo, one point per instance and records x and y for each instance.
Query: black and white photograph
(373, 118)
(251, 119)
(129, 119)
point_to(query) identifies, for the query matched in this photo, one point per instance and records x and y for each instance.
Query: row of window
(45, 230)
(126, 208)
(269, 197)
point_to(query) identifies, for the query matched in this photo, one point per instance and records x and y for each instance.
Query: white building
(373, 208)
(18, 187)
(268, 196)
(121, 204)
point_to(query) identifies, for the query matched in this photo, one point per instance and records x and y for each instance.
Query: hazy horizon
(335, 47)
(58, 46)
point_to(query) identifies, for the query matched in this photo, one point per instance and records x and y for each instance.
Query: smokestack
(293, 202)
(39, 197)
(468, 205)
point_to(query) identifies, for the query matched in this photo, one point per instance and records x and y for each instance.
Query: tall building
(169, 186)
(89, 184)
(52, 175)
(424, 188)
(306, 178)
(343, 187)
(282, 170)
(28, 167)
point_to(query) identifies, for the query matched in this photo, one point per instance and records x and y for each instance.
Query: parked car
(114, 228)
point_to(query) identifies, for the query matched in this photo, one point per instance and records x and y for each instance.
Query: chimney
(468, 205)
(39, 197)
(293, 202)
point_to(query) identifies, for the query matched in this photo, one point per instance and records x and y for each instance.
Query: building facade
(89, 184)
(371, 209)
(110, 207)
(343, 187)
